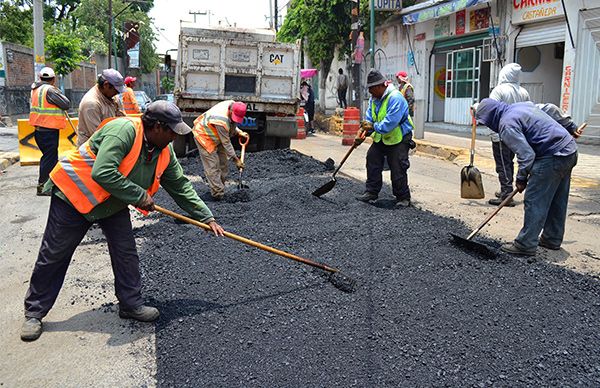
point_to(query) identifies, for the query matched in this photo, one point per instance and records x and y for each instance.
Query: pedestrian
(122, 164)
(47, 115)
(407, 90)
(99, 103)
(308, 96)
(546, 154)
(508, 91)
(563, 119)
(342, 88)
(390, 126)
(212, 132)
(130, 104)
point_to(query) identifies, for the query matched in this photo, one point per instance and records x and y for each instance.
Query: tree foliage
(16, 23)
(64, 50)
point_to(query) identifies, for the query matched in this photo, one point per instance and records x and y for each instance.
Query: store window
(462, 74)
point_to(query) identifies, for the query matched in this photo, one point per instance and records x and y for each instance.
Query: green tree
(16, 23)
(167, 84)
(64, 50)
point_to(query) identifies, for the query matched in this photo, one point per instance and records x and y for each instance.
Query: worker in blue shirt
(390, 126)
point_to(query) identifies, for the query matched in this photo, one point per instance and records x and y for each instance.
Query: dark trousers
(47, 142)
(65, 229)
(342, 98)
(505, 167)
(397, 158)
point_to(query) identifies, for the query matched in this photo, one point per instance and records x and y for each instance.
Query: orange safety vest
(73, 172)
(130, 104)
(205, 130)
(43, 113)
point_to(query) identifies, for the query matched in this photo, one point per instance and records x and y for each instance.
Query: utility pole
(195, 13)
(276, 21)
(372, 33)
(38, 37)
(110, 33)
(271, 14)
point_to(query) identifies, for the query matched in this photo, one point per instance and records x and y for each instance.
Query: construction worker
(122, 164)
(407, 90)
(99, 103)
(212, 132)
(130, 104)
(546, 154)
(47, 115)
(509, 91)
(390, 126)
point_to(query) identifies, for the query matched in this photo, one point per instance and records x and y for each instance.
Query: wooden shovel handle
(243, 144)
(502, 204)
(246, 240)
(473, 134)
(344, 160)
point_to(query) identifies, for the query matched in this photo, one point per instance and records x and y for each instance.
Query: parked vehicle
(142, 99)
(217, 64)
(166, 97)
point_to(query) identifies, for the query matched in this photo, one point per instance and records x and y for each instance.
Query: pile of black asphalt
(425, 313)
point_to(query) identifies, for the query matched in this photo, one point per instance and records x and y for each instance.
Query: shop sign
(387, 5)
(439, 83)
(479, 19)
(441, 27)
(440, 10)
(566, 96)
(460, 22)
(525, 11)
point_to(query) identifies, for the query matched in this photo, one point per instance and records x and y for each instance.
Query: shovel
(471, 185)
(474, 246)
(241, 184)
(329, 185)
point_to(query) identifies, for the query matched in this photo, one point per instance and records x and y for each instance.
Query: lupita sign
(387, 5)
(525, 11)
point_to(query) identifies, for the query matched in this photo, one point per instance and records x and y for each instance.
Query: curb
(7, 159)
(441, 151)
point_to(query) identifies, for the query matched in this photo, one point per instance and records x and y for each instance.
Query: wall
(547, 75)
(18, 66)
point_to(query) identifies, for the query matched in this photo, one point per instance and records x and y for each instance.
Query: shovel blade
(324, 189)
(471, 184)
(480, 249)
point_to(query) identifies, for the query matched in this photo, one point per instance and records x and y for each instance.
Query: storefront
(539, 47)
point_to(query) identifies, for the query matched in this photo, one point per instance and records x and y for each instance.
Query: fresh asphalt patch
(425, 313)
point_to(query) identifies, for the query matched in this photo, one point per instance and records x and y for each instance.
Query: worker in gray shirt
(47, 116)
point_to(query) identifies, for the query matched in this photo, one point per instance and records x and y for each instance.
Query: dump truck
(248, 65)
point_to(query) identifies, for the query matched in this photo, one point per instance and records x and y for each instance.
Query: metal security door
(462, 84)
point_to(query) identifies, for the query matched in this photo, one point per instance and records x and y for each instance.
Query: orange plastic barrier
(29, 152)
(351, 125)
(301, 134)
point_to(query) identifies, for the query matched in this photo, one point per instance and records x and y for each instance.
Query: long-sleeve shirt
(93, 108)
(53, 96)
(225, 136)
(397, 112)
(111, 145)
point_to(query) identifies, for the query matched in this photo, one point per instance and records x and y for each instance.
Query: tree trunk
(325, 67)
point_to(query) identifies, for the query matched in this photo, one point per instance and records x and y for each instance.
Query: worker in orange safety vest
(47, 115)
(130, 104)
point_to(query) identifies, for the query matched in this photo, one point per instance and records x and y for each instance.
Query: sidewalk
(9, 147)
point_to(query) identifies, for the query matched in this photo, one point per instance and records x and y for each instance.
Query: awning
(542, 33)
(455, 42)
(439, 10)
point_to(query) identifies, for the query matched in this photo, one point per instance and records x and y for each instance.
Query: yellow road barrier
(29, 152)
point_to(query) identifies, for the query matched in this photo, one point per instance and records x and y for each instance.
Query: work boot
(498, 194)
(513, 249)
(142, 314)
(400, 203)
(367, 197)
(498, 201)
(544, 244)
(31, 329)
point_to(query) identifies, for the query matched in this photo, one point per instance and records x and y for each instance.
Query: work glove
(521, 185)
(367, 126)
(239, 164)
(147, 203)
(243, 134)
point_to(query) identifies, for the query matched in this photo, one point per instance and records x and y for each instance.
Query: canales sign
(525, 11)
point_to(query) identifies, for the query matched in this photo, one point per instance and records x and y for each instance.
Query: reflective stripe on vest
(205, 126)
(130, 104)
(395, 135)
(43, 113)
(405, 88)
(73, 172)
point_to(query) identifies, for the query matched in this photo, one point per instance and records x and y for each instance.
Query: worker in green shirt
(122, 164)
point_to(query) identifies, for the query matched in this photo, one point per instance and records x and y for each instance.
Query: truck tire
(283, 143)
(180, 145)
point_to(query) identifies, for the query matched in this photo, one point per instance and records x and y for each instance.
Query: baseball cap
(402, 75)
(168, 113)
(47, 72)
(375, 78)
(129, 79)
(238, 111)
(114, 78)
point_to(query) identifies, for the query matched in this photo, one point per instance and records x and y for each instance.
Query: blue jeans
(546, 199)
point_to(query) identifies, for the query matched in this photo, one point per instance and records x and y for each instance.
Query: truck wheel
(179, 145)
(283, 143)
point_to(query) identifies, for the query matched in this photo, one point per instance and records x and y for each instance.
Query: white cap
(47, 72)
